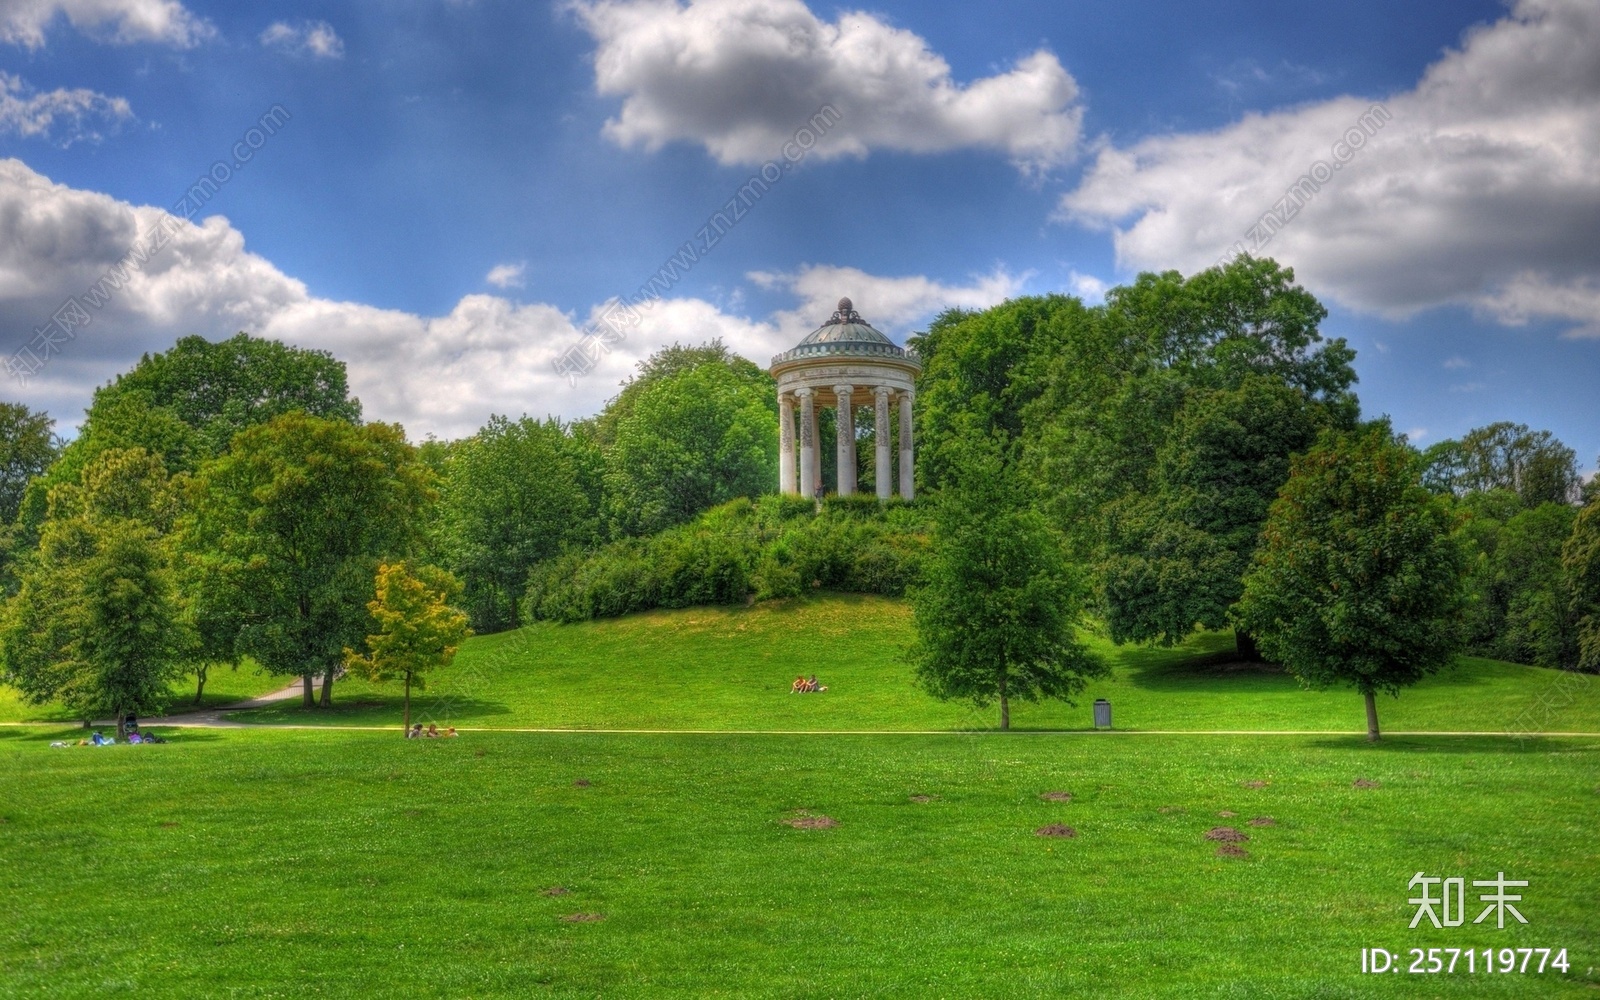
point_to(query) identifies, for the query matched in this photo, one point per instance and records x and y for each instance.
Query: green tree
(27, 447)
(1534, 465)
(219, 389)
(1176, 556)
(694, 439)
(1581, 560)
(417, 629)
(997, 611)
(511, 497)
(1112, 391)
(289, 525)
(97, 622)
(1357, 580)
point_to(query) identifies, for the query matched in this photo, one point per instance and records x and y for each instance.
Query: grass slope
(263, 863)
(721, 668)
(224, 686)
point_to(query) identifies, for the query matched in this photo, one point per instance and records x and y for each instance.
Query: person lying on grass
(433, 732)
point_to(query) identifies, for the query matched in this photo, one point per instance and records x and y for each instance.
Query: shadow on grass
(1507, 744)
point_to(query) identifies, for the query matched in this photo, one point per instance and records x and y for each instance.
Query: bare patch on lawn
(1056, 796)
(556, 890)
(924, 798)
(1263, 821)
(1364, 783)
(1226, 813)
(582, 783)
(1055, 830)
(1231, 851)
(1258, 783)
(805, 819)
(1226, 834)
(583, 918)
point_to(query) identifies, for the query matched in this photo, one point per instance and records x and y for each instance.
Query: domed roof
(846, 334)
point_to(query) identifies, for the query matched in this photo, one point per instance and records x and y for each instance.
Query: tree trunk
(200, 688)
(406, 727)
(310, 696)
(327, 686)
(122, 724)
(1245, 643)
(1372, 718)
(1005, 706)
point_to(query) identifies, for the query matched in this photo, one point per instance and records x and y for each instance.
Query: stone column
(786, 480)
(880, 440)
(906, 488)
(846, 439)
(815, 482)
(808, 443)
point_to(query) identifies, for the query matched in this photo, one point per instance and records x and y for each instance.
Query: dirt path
(217, 716)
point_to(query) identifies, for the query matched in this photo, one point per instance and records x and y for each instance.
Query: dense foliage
(770, 548)
(1357, 581)
(998, 608)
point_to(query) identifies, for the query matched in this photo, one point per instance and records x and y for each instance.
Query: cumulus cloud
(313, 38)
(1482, 190)
(65, 116)
(506, 275)
(895, 305)
(435, 374)
(741, 76)
(1087, 287)
(121, 22)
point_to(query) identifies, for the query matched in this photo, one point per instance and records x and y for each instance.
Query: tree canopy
(998, 608)
(1357, 580)
(290, 525)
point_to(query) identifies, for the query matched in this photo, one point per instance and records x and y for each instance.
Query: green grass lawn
(720, 668)
(294, 863)
(223, 686)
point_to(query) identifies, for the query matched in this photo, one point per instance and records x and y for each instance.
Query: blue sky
(568, 149)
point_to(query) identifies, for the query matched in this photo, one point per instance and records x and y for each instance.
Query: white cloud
(441, 374)
(1483, 190)
(66, 116)
(1416, 434)
(1456, 362)
(314, 38)
(506, 275)
(121, 22)
(740, 76)
(1087, 287)
(895, 305)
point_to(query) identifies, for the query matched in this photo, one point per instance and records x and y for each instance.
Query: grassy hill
(730, 668)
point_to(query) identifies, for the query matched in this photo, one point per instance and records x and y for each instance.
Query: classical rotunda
(843, 364)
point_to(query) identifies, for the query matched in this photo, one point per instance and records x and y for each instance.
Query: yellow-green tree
(418, 629)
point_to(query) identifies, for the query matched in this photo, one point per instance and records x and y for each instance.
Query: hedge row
(741, 551)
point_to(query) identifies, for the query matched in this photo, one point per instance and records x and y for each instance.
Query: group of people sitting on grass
(98, 740)
(803, 685)
(416, 733)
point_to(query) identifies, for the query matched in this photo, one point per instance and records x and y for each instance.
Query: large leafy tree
(998, 609)
(1581, 560)
(27, 447)
(512, 495)
(418, 631)
(1520, 606)
(691, 440)
(186, 404)
(1534, 465)
(219, 389)
(289, 526)
(1357, 581)
(1176, 556)
(97, 623)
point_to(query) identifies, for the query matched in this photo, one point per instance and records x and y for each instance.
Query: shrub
(766, 549)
